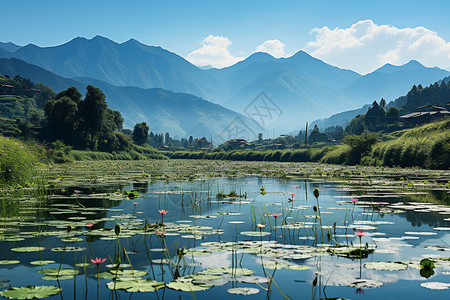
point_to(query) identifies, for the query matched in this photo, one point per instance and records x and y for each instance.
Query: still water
(217, 245)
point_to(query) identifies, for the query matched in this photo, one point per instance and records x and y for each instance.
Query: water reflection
(222, 233)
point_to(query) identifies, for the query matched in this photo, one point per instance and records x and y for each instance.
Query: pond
(224, 237)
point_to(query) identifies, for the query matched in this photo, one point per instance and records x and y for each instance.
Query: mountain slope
(179, 114)
(301, 87)
(390, 82)
(10, 47)
(128, 64)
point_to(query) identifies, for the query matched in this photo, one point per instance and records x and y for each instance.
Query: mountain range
(297, 89)
(179, 114)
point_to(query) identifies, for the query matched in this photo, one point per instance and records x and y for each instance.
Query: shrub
(17, 162)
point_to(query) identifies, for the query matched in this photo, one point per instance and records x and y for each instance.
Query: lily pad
(82, 265)
(237, 272)
(255, 233)
(58, 272)
(9, 262)
(187, 286)
(243, 291)
(434, 285)
(136, 285)
(386, 266)
(42, 262)
(68, 249)
(31, 292)
(27, 249)
(56, 278)
(253, 279)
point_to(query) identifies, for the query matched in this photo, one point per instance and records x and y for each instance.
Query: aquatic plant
(162, 212)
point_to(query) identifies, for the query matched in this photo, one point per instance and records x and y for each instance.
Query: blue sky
(236, 28)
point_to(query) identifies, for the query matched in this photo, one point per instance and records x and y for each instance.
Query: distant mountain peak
(260, 56)
(409, 66)
(415, 63)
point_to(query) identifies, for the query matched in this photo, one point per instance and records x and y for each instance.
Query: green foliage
(359, 146)
(140, 133)
(426, 146)
(16, 162)
(59, 152)
(357, 125)
(134, 153)
(85, 124)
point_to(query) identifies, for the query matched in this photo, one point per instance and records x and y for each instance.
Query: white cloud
(365, 46)
(214, 52)
(273, 47)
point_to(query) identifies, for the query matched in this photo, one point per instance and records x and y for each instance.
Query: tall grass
(17, 162)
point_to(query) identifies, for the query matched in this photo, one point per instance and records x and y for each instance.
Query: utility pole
(306, 134)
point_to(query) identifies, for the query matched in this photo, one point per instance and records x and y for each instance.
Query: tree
(93, 114)
(140, 133)
(191, 139)
(62, 118)
(72, 93)
(167, 138)
(316, 136)
(84, 123)
(359, 146)
(375, 115)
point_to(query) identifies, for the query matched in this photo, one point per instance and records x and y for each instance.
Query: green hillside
(427, 146)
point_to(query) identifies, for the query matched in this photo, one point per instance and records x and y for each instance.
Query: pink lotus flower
(275, 215)
(384, 203)
(292, 194)
(77, 192)
(98, 261)
(261, 226)
(355, 200)
(162, 211)
(89, 225)
(135, 203)
(158, 232)
(360, 234)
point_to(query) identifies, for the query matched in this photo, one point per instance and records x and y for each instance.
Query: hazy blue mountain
(390, 82)
(340, 119)
(301, 87)
(10, 47)
(127, 64)
(14, 66)
(180, 114)
(4, 53)
(304, 88)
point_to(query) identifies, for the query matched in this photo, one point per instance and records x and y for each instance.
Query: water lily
(160, 232)
(275, 215)
(360, 233)
(292, 197)
(89, 226)
(98, 261)
(135, 203)
(162, 212)
(77, 192)
(355, 200)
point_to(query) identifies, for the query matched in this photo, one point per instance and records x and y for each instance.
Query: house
(239, 144)
(425, 114)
